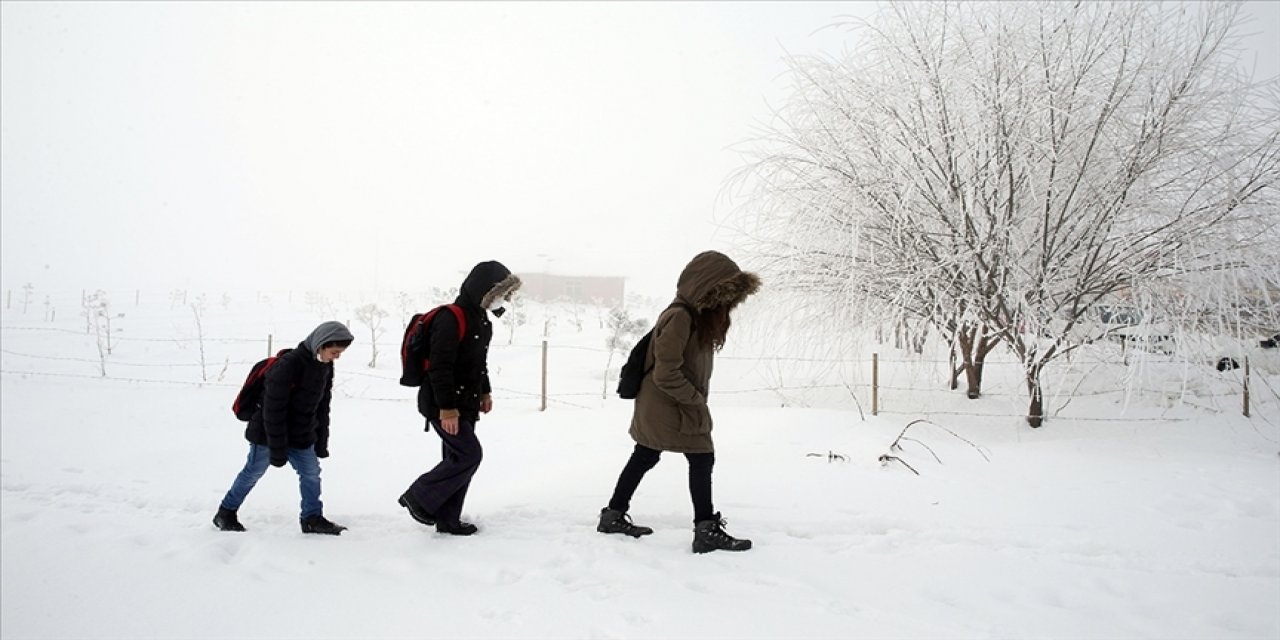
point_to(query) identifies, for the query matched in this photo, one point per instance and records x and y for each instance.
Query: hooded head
(489, 285)
(713, 280)
(327, 332)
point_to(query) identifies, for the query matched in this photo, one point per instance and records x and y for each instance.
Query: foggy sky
(331, 145)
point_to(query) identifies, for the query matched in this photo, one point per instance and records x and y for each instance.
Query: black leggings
(643, 459)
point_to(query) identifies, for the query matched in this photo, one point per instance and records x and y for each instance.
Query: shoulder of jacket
(675, 314)
(291, 359)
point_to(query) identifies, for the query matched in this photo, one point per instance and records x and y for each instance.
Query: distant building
(549, 287)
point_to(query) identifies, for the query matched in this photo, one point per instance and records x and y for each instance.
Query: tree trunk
(973, 344)
(1035, 413)
(973, 378)
(918, 340)
(955, 371)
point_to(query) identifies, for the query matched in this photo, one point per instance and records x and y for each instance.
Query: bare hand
(486, 404)
(449, 425)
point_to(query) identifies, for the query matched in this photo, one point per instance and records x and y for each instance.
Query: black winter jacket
(459, 372)
(295, 403)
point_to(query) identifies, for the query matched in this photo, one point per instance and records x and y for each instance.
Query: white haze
(358, 146)
(382, 145)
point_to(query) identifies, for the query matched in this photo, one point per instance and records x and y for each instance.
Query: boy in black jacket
(292, 425)
(454, 395)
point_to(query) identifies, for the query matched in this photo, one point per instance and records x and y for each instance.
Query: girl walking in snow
(671, 411)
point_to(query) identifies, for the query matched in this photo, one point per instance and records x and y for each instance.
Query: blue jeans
(304, 461)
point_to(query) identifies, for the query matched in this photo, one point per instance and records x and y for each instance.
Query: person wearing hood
(670, 412)
(455, 393)
(291, 424)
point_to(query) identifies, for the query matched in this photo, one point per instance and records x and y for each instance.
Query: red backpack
(250, 395)
(414, 347)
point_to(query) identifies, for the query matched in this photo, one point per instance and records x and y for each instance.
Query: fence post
(544, 376)
(875, 384)
(1246, 386)
(269, 345)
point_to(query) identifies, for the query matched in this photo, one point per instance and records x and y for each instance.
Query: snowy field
(1133, 515)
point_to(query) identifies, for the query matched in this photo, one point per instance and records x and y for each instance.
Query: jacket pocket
(695, 419)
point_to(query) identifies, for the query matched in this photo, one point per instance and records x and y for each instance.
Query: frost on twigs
(1006, 173)
(831, 456)
(897, 450)
(371, 316)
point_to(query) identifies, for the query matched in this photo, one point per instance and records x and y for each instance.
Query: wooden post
(1246, 386)
(544, 376)
(269, 351)
(875, 384)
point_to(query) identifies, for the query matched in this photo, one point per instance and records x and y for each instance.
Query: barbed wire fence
(889, 383)
(163, 347)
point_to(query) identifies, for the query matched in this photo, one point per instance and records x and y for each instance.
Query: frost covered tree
(97, 314)
(1001, 169)
(197, 309)
(407, 305)
(514, 318)
(371, 316)
(623, 332)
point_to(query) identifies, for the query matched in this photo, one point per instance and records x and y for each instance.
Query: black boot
(709, 535)
(225, 520)
(458, 528)
(415, 509)
(614, 521)
(318, 524)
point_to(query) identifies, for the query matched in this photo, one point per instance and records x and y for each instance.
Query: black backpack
(414, 347)
(250, 395)
(633, 370)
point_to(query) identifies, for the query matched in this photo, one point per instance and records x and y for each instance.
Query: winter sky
(154, 145)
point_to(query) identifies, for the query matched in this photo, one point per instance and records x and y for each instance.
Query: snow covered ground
(1139, 519)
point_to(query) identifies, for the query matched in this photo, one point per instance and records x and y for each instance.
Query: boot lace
(717, 528)
(624, 521)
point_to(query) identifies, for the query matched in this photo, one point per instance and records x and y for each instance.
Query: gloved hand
(322, 452)
(279, 457)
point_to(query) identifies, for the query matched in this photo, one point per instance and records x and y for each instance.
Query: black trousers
(643, 459)
(442, 490)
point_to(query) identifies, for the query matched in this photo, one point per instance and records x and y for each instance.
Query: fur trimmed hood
(502, 289)
(488, 281)
(712, 280)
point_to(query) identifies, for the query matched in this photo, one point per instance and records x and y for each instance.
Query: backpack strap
(257, 374)
(424, 320)
(693, 315)
(462, 320)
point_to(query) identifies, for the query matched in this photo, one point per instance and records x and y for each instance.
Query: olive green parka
(671, 408)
